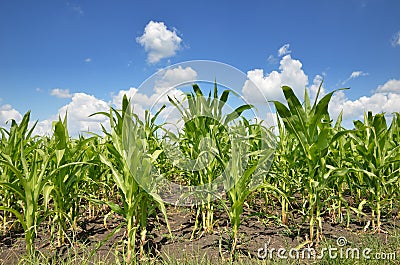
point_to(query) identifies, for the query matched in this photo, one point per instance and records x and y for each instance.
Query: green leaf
(237, 112)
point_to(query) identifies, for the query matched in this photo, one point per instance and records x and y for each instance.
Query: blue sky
(57, 55)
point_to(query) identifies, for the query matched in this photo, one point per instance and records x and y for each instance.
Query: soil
(256, 231)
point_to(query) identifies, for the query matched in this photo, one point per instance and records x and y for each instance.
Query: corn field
(309, 165)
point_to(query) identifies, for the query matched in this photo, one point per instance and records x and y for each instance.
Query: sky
(82, 56)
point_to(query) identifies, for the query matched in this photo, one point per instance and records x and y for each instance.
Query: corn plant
(337, 157)
(30, 178)
(252, 150)
(64, 186)
(204, 130)
(31, 175)
(204, 136)
(311, 126)
(130, 162)
(10, 147)
(395, 141)
(285, 173)
(33, 172)
(376, 155)
(94, 180)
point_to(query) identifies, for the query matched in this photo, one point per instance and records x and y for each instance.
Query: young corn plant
(311, 126)
(95, 182)
(252, 150)
(32, 172)
(10, 146)
(64, 186)
(395, 141)
(129, 163)
(285, 173)
(345, 185)
(374, 163)
(203, 138)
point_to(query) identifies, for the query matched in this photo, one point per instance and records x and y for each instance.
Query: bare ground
(256, 230)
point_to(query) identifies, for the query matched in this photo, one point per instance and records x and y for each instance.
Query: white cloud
(391, 86)
(7, 113)
(78, 110)
(44, 127)
(271, 59)
(173, 77)
(290, 73)
(396, 39)
(137, 100)
(166, 83)
(354, 75)
(357, 74)
(284, 50)
(88, 60)
(60, 93)
(159, 42)
(377, 103)
(82, 105)
(386, 99)
(117, 99)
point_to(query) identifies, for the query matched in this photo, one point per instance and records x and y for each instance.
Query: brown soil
(255, 231)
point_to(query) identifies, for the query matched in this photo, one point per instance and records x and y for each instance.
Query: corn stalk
(311, 126)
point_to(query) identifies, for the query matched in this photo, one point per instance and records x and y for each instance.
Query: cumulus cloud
(391, 86)
(396, 39)
(259, 84)
(78, 110)
(290, 73)
(284, 50)
(159, 42)
(354, 75)
(385, 100)
(44, 127)
(83, 105)
(130, 93)
(7, 113)
(60, 93)
(173, 77)
(377, 103)
(165, 84)
(138, 100)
